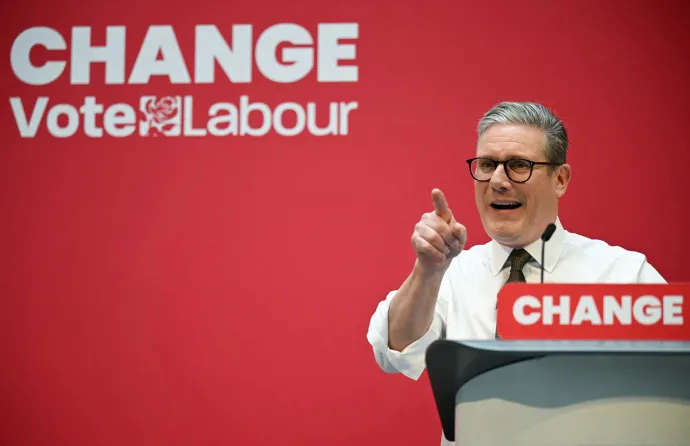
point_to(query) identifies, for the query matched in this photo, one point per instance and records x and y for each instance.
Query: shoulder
(596, 249)
(609, 262)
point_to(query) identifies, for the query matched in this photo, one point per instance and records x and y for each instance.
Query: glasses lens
(482, 169)
(519, 170)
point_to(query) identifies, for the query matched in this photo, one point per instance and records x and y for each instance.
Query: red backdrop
(217, 290)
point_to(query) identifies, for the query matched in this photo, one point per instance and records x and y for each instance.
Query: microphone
(545, 237)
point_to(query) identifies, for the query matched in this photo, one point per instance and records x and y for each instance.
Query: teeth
(506, 204)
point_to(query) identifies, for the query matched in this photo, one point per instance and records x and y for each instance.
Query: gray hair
(533, 115)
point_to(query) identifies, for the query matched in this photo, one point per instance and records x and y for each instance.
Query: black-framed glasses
(518, 170)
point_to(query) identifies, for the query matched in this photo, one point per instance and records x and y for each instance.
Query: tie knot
(518, 259)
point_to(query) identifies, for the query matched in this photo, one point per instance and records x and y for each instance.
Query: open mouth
(505, 205)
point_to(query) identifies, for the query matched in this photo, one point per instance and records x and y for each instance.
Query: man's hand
(438, 237)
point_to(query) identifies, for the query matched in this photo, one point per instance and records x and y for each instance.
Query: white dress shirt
(466, 304)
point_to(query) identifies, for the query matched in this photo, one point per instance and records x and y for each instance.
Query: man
(520, 174)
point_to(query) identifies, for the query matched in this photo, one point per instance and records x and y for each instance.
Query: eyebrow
(505, 158)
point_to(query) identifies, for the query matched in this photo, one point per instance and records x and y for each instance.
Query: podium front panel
(578, 400)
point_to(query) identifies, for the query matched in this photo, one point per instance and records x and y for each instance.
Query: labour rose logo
(160, 116)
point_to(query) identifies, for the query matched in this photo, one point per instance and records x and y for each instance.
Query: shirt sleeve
(411, 361)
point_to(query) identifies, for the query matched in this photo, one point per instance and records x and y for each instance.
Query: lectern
(562, 393)
(536, 391)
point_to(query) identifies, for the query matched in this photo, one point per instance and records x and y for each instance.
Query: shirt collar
(498, 254)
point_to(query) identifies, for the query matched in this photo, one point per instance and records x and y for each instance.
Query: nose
(499, 179)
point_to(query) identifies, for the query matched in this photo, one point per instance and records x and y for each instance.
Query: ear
(562, 179)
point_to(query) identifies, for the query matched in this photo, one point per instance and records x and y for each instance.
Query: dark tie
(518, 259)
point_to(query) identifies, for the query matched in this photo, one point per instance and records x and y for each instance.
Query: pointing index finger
(441, 205)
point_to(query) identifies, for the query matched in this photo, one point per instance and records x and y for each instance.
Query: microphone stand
(545, 237)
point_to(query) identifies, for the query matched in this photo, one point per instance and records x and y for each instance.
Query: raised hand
(438, 237)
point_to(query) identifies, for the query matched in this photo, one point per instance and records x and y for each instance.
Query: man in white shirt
(520, 174)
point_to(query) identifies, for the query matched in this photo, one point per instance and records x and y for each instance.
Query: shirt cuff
(411, 361)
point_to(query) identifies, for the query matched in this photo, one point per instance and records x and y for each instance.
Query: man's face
(536, 200)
